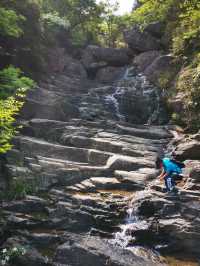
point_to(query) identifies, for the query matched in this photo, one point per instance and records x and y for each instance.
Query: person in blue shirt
(169, 170)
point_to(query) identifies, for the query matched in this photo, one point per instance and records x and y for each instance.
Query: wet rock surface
(95, 251)
(141, 41)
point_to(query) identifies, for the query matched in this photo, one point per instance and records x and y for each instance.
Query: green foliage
(9, 22)
(9, 254)
(11, 81)
(189, 83)
(19, 189)
(181, 17)
(13, 89)
(8, 110)
(54, 20)
(188, 30)
(80, 17)
(151, 11)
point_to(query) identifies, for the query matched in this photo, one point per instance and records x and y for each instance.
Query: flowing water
(138, 84)
(112, 100)
(132, 221)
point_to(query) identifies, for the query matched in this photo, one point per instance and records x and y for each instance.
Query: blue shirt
(171, 167)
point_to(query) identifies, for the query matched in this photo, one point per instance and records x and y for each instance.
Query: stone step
(105, 182)
(43, 128)
(110, 145)
(37, 147)
(151, 132)
(69, 177)
(128, 163)
(52, 164)
(132, 178)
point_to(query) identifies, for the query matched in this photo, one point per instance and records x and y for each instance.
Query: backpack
(178, 163)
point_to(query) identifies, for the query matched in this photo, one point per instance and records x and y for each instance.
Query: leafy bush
(54, 20)
(186, 34)
(11, 81)
(13, 89)
(189, 82)
(151, 11)
(9, 22)
(9, 254)
(19, 189)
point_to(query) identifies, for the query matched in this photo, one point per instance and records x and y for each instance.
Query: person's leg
(166, 184)
(175, 177)
(169, 183)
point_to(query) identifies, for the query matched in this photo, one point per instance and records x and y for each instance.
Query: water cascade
(112, 99)
(124, 238)
(131, 92)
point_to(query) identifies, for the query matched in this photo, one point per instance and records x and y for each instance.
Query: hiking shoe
(165, 190)
(175, 190)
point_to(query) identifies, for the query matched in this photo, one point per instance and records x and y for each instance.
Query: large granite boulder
(50, 99)
(156, 29)
(143, 60)
(189, 149)
(95, 57)
(78, 251)
(193, 172)
(162, 70)
(141, 41)
(172, 218)
(176, 103)
(46, 104)
(61, 62)
(109, 74)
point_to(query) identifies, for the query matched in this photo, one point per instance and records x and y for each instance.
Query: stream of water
(112, 99)
(133, 223)
(137, 83)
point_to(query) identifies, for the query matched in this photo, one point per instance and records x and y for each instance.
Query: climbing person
(170, 169)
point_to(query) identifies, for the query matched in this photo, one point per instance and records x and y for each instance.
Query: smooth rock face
(109, 74)
(95, 57)
(144, 60)
(190, 149)
(141, 41)
(161, 67)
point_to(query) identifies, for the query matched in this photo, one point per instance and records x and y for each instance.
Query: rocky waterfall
(87, 154)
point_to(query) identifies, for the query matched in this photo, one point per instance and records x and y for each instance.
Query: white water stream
(138, 84)
(124, 238)
(111, 99)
